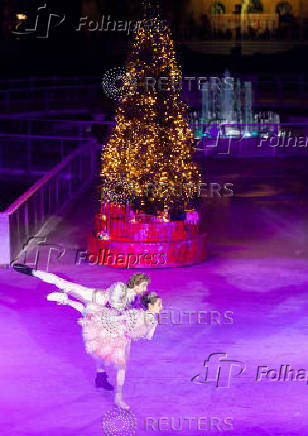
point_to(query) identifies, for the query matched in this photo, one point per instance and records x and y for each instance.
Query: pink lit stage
(257, 270)
(123, 238)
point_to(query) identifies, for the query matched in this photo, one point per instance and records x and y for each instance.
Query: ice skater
(111, 319)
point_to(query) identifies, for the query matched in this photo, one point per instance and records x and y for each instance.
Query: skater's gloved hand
(59, 297)
(24, 269)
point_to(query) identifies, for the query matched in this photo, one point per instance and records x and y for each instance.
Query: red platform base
(124, 254)
(124, 239)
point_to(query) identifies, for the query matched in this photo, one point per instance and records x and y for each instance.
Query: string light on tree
(152, 141)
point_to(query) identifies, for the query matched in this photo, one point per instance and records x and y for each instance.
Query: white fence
(26, 216)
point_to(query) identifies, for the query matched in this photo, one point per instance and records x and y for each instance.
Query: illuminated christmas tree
(148, 159)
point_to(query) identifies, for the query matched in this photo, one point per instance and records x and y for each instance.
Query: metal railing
(35, 82)
(34, 146)
(53, 127)
(44, 200)
(34, 154)
(68, 93)
(48, 98)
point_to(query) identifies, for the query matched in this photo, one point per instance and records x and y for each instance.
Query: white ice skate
(120, 403)
(59, 297)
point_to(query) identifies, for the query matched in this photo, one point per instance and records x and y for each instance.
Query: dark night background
(66, 51)
(245, 254)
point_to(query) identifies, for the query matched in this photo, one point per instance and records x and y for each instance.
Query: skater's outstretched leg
(119, 388)
(62, 298)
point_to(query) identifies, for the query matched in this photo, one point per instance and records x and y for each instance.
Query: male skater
(136, 288)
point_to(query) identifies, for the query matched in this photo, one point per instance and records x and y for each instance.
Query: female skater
(109, 322)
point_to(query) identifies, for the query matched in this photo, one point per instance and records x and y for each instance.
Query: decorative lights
(21, 17)
(151, 142)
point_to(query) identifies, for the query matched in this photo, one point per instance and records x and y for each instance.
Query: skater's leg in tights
(120, 377)
(100, 366)
(127, 350)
